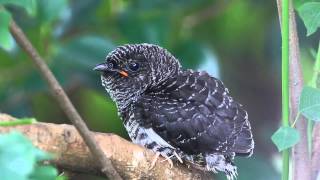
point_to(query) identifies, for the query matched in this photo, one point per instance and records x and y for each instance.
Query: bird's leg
(154, 160)
(177, 156)
(168, 158)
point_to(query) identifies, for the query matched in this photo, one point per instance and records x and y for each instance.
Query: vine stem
(285, 81)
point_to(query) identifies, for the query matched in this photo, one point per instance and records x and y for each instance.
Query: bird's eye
(112, 64)
(133, 66)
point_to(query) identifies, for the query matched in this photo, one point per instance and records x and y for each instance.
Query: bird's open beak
(101, 67)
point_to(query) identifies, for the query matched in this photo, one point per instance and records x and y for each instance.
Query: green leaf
(16, 156)
(29, 5)
(6, 41)
(18, 159)
(310, 103)
(44, 172)
(22, 121)
(285, 137)
(310, 14)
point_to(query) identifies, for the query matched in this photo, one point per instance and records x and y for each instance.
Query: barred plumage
(174, 111)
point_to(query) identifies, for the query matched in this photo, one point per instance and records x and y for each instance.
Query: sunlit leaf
(285, 137)
(310, 103)
(310, 14)
(6, 41)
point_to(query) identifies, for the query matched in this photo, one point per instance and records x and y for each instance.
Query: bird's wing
(197, 115)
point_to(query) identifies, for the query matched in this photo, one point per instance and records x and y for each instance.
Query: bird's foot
(178, 157)
(154, 160)
(167, 158)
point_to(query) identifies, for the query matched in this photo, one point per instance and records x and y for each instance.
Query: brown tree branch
(131, 161)
(315, 158)
(64, 102)
(300, 154)
(301, 158)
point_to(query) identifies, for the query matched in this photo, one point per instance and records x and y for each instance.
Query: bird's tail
(222, 163)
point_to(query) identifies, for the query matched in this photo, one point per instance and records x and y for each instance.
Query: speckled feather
(168, 109)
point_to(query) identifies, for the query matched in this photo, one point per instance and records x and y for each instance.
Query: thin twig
(301, 160)
(63, 100)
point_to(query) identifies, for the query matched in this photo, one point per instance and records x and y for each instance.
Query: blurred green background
(236, 41)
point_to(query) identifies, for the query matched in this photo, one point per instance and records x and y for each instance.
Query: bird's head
(129, 70)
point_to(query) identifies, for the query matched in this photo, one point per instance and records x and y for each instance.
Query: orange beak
(124, 74)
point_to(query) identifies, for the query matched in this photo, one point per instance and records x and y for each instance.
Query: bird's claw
(178, 157)
(167, 158)
(154, 160)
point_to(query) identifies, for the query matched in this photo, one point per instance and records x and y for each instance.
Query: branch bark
(300, 154)
(64, 102)
(131, 161)
(315, 158)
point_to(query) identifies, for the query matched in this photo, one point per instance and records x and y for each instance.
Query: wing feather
(197, 115)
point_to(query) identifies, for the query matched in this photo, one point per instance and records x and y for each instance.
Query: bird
(180, 114)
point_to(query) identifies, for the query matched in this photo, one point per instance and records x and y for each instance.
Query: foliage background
(237, 41)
